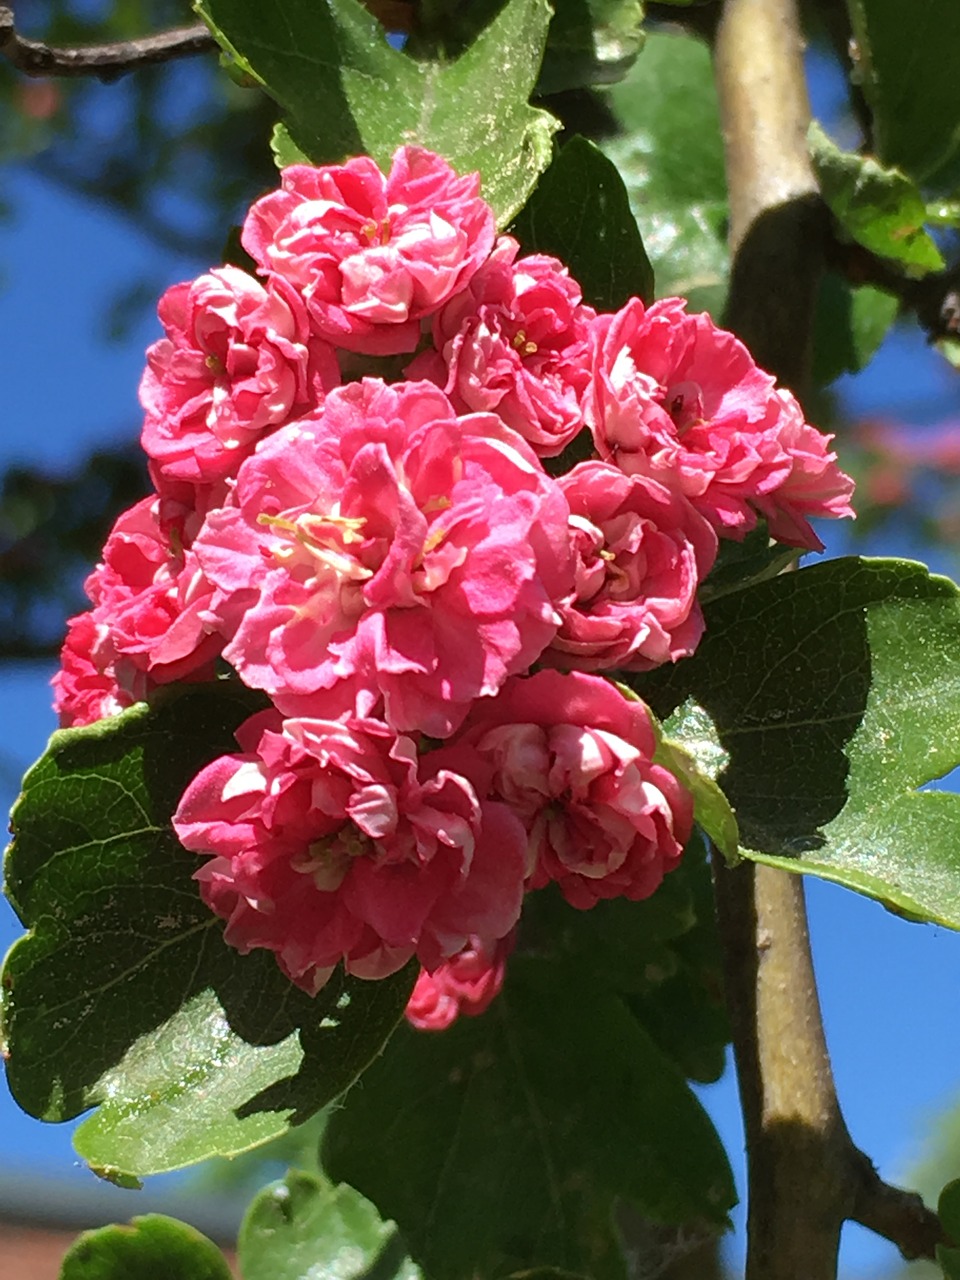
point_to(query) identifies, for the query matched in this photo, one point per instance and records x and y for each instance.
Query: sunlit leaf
(149, 1248)
(123, 995)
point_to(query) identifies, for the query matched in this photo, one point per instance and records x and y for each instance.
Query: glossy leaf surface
(836, 692)
(303, 1227)
(124, 994)
(153, 1247)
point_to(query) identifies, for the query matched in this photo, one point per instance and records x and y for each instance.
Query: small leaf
(153, 1247)
(742, 564)
(694, 757)
(538, 1116)
(878, 207)
(591, 42)
(906, 61)
(836, 692)
(580, 213)
(124, 994)
(349, 92)
(302, 1226)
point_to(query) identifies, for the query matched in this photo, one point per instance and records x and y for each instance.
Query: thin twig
(117, 58)
(899, 1216)
(104, 61)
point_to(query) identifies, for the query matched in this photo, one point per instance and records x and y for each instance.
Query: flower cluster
(352, 515)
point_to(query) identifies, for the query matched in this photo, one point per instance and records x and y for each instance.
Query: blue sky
(890, 989)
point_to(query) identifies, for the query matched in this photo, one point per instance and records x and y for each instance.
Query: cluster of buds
(352, 515)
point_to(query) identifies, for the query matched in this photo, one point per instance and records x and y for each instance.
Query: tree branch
(899, 1216)
(805, 1176)
(109, 61)
(105, 61)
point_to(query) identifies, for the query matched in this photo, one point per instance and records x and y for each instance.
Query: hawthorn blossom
(573, 758)
(152, 604)
(516, 342)
(680, 400)
(86, 689)
(641, 551)
(391, 543)
(334, 841)
(467, 984)
(237, 360)
(372, 254)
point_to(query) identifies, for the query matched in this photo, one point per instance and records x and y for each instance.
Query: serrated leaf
(906, 62)
(580, 213)
(124, 995)
(537, 1116)
(670, 155)
(349, 92)
(878, 207)
(303, 1227)
(836, 692)
(850, 324)
(152, 1247)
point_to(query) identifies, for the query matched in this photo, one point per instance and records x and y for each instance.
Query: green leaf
(850, 324)
(670, 155)
(149, 1248)
(906, 61)
(692, 752)
(948, 1209)
(591, 42)
(349, 92)
(124, 995)
(878, 207)
(836, 692)
(741, 564)
(303, 1227)
(580, 213)
(537, 1116)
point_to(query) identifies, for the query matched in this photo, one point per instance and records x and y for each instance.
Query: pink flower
(152, 604)
(391, 543)
(641, 551)
(815, 486)
(516, 342)
(372, 255)
(680, 400)
(238, 360)
(573, 759)
(85, 688)
(333, 841)
(467, 984)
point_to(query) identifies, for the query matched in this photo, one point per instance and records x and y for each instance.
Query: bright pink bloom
(573, 758)
(333, 840)
(152, 604)
(676, 398)
(641, 552)
(391, 543)
(815, 486)
(516, 342)
(372, 255)
(85, 688)
(467, 984)
(237, 360)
